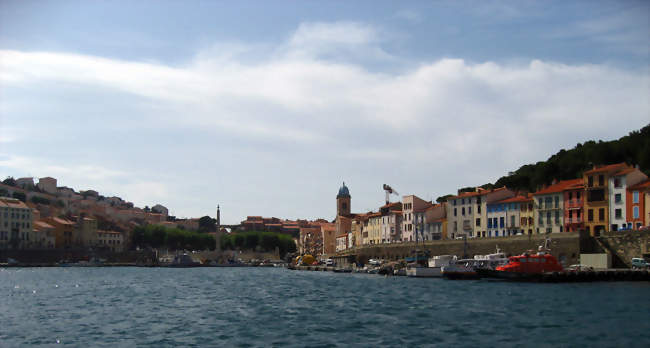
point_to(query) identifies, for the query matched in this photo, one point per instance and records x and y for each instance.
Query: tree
(19, 195)
(443, 198)
(4, 192)
(9, 181)
(207, 224)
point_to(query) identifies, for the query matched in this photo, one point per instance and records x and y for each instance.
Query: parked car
(638, 262)
(329, 262)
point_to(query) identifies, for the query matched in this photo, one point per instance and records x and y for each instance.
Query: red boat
(526, 266)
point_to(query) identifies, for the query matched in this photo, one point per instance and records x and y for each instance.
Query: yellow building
(374, 228)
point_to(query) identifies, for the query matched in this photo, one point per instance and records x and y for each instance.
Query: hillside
(633, 149)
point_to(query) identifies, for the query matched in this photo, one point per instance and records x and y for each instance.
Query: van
(638, 262)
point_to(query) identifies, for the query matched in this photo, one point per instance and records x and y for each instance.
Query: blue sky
(265, 107)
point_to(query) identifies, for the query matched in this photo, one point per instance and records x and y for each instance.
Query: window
(601, 180)
(478, 222)
(548, 217)
(617, 198)
(596, 196)
(590, 181)
(635, 197)
(489, 222)
(617, 182)
(512, 220)
(454, 202)
(618, 213)
(501, 221)
(469, 210)
(478, 208)
(570, 195)
(462, 201)
(578, 195)
(455, 212)
(557, 217)
(463, 211)
(557, 202)
(601, 214)
(635, 212)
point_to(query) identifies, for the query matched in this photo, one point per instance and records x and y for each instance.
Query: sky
(265, 108)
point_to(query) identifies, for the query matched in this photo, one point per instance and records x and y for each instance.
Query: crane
(389, 190)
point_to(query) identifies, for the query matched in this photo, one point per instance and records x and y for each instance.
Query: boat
(183, 261)
(490, 261)
(460, 269)
(434, 268)
(527, 266)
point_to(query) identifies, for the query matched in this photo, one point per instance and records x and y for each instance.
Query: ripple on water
(278, 307)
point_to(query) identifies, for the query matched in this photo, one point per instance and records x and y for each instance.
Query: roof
(343, 191)
(515, 199)
(13, 203)
(640, 186)
(42, 224)
(607, 168)
(62, 221)
(480, 192)
(558, 187)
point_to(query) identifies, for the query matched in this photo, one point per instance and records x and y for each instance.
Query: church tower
(343, 201)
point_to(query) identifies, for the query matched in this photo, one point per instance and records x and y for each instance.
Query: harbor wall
(51, 256)
(565, 246)
(624, 245)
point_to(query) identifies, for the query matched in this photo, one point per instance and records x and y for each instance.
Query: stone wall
(74, 255)
(624, 245)
(564, 246)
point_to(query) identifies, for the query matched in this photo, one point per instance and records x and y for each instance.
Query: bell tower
(343, 201)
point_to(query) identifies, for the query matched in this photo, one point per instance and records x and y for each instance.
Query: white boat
(435, 267)
(460, 269)
(490, 261)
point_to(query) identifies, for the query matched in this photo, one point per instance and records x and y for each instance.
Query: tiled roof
(607, 168)
(42, 224)
(515, 199)
(559, 187)
(642, 185)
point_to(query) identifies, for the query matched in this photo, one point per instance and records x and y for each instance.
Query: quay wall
(624, 245)
(44, 256)
(565, 246)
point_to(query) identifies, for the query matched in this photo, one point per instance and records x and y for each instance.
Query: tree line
(262, 241)
(156, 236)
(633, 149)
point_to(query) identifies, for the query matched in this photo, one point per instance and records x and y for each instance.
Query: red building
(574, 206)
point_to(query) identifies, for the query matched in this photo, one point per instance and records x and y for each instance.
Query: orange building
(63, 232)
(574, 214)
(597, 197)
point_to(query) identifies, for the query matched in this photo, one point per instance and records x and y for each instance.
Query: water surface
(250, 307)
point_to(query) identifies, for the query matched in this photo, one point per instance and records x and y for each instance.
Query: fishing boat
(527, 266)
(460, 269)
(434, 268)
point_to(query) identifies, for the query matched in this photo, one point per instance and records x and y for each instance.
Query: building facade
(617, 186)
(574, 213)
(16, 224)
(637, 205)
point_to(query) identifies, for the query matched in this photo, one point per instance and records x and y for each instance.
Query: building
(160, 209)
(510, 217)
(467, 212)
(617, 186)
(391, 223)
(374, 228)
(25, 183)
(44, 235)
(328, 232)
(549, 206)
(64, 232)
(47, 184)
(637, 205)
(87, 231)
(343, 211)
(16, 224)
(413, 218)
(598, 196)
(310, 240)
(341, 242)
(111, 240)
(436, 222)
(574, 213)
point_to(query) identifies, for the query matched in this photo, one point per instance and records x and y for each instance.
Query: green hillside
(569, 164)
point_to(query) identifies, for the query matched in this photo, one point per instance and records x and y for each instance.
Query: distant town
(42, 215)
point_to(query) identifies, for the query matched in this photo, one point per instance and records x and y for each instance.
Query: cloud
(409, 15)
(310, 105)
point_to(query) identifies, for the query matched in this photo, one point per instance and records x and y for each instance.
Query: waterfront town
(42, 215)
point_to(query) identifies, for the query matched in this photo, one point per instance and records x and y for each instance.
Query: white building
(617, 186)
(413, 217)
(111, 240)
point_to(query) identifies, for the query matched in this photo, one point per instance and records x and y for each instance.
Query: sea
(277, 307)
